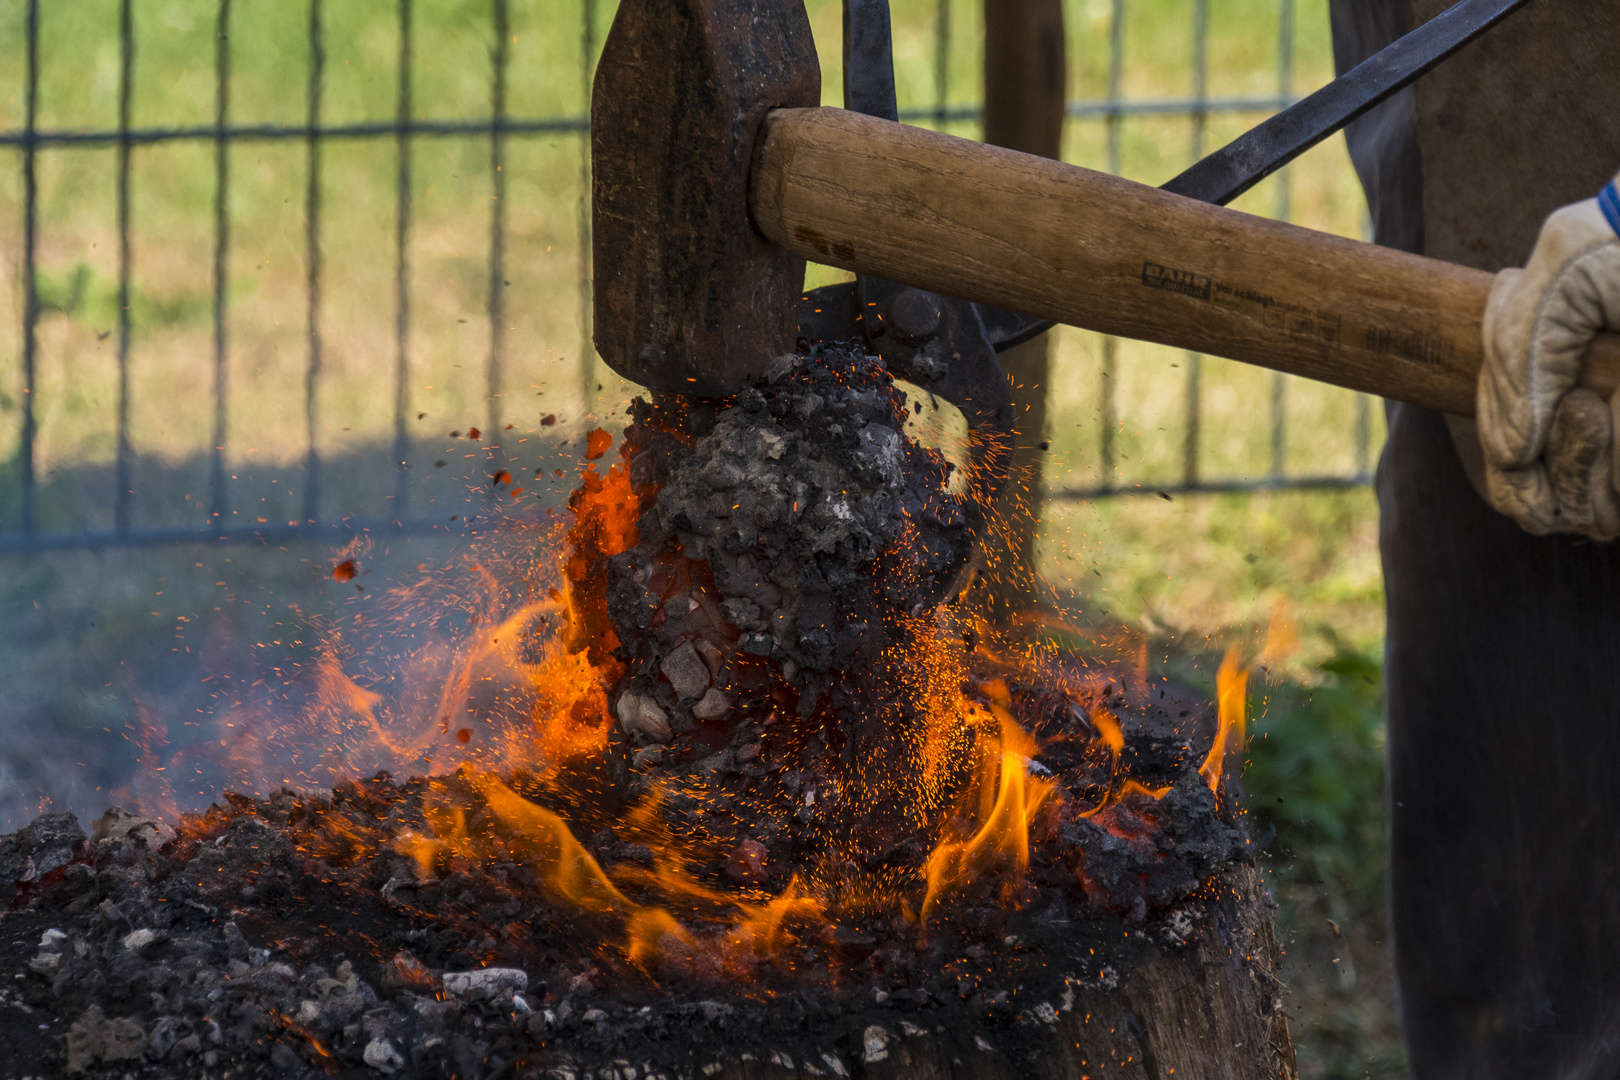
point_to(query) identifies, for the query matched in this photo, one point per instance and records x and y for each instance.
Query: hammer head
(688, 297)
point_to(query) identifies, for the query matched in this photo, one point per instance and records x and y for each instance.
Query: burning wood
(774, 808)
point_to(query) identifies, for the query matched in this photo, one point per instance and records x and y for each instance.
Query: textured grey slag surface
(819, 519)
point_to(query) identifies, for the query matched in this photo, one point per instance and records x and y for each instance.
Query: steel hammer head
(688, 297)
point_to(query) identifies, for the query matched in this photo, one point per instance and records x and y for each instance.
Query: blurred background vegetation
(114, 656)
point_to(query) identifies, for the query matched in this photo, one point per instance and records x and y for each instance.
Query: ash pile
(299, 936)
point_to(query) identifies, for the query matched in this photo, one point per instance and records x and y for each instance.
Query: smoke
(158, 677)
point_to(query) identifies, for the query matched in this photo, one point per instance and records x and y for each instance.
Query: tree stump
(1211, 1010)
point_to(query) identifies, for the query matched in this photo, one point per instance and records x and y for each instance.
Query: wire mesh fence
(223, 324)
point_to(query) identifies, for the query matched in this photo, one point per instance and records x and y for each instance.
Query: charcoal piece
(686, 671)
(714, 705)
(47, 844)
(642, 719)
(119, 824)
(1153, 852)
(773, 546)
(291, 978)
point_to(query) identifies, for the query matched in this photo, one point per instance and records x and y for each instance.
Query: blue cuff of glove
(1609, 203)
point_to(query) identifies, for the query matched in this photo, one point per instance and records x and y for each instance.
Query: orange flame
(1133, 787)
(1113, 736)
(762, 928)
(570, 872)
(604, 524)
(1001, 844)
(1107, 725)
(1282, 634)
(1231, 696)
(423, 850)
(521, 686)
(544, 840)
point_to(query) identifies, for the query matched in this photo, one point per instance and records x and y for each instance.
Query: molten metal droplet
(463, 735)
(344, 571)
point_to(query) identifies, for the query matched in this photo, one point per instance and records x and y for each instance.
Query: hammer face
(688, 297)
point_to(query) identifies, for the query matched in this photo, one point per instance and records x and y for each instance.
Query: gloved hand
(1549, 446)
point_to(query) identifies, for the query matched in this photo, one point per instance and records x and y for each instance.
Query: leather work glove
(1549, 445)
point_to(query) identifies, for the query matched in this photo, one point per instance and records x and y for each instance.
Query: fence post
(495, 375)
(1025, 100)
(1285, 89)
(30, 342)
(587, 348)
(1192, 433)
(124, 469)
(222, 241)
(402, 269)
(312, 266)
(1107, 412)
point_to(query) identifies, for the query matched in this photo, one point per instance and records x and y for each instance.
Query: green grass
(106, 652)
(1196, 570)
(1315, 775)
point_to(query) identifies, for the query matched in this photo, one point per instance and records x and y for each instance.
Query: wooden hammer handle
(1084, 248)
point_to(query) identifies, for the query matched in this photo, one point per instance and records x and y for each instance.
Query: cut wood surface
(1091, 250)
(1211, 1009)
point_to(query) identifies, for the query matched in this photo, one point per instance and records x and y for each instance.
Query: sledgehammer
(716, 175)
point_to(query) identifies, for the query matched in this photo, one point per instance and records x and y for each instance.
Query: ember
(749, 788)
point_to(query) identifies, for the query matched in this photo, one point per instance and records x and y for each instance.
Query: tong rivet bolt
(915, 315)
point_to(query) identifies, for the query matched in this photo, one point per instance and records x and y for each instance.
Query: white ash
(486, 983)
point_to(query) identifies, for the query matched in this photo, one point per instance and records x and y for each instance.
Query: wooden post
(1210, 1010)
(1025, 98)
